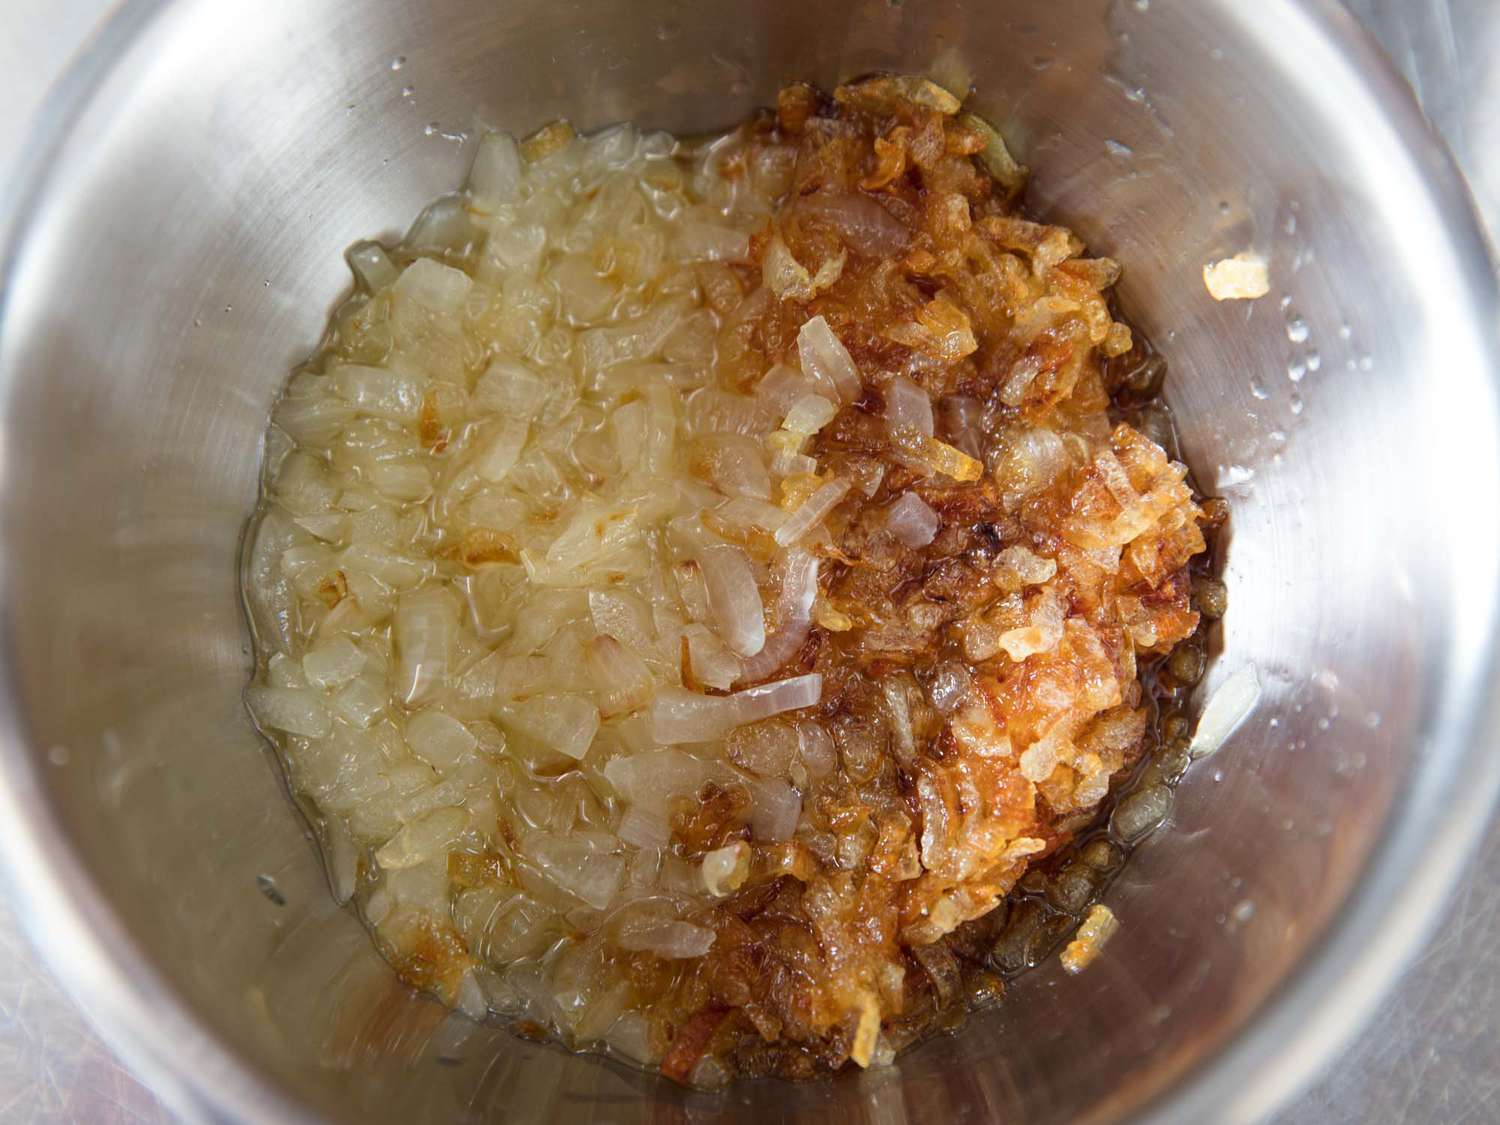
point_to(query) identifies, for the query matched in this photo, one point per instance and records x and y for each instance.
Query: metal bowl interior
(177, 247)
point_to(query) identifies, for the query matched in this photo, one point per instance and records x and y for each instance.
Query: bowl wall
(180, 246)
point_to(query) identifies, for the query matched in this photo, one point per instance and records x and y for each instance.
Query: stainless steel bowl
(175, 246)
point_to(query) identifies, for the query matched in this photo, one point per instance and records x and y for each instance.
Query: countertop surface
(1431, 1054)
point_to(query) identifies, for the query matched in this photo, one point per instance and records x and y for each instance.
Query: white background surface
(1432, 1054)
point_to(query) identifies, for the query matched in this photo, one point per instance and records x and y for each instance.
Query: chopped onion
(294, 710)
(699, 241)
(644, 829)
(371, 265)
(809, 414)
(377, 392)
(511, 390)
(789, 279)
(622, 679)
(823, 356)
(651, 779)
(425, 627)
(864, 225)
(746, 511)
(996, 157)
(1226, 709)
(433, 285)
(443, 227)
(726, 869)
(787, 458)
(907, 407)
(812, 512)
(423, 839)
(333, 663)
(691, 587)
(496, 173)
(580, 863)
(736, 467)
(710, 661)
(670, 938)
(798, 590)
(734, 598)
(1024, 567)
(775, 808)
(624, 616)
(713, 411)
(943, 458)
(782, 386)
(499, 456)
(563, 722)
(440, 740)
(683, 716)
(912, 521)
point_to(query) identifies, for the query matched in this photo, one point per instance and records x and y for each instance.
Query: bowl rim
(1313, 1012)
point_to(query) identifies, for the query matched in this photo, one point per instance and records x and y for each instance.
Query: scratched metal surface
(1431, 1055)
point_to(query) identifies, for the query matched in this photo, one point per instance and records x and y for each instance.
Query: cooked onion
(812, 512)
(542, 557)
(809, 414)
(774, 809)
(734, 598)
(823, 356)
(425, 629)
(864, 225)
(1231, 702)
(682, 716)
(907, 406)
(624, 682)
(912, 521)
(798, 590)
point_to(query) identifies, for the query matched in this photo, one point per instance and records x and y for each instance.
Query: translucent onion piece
(912, 521)
(996, 157)
(809, 414)
(624, 616)
(671, 939)
(652, 779)
(774, 809)
(681, 716)
(794, 603)
(443, 227)
(812, 512)
(581, 864)
(371, 265)
(734, 598)
(294, 710)
(865, 226)
(425, 628)
(439, 739)
(710, 661)
(789, 279)
(1098, 927)
(907, 406)
(563, 721)
(725, 869)
(1226, 709)
(823, 356)
(378, 393)
(433, 285)
(496, 173)
(782, 386)
(333, 663)
(644, 829)
(621, 678)
(1244, 277)
(423, 839)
